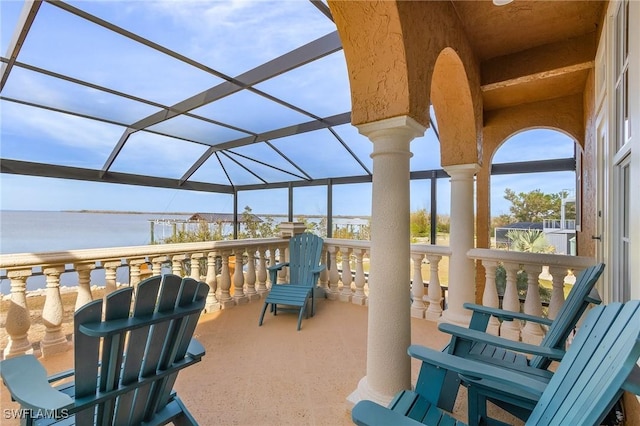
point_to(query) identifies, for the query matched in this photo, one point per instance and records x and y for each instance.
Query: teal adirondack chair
(474, 343)
(304, 270)
(125, 364)
(599, 365)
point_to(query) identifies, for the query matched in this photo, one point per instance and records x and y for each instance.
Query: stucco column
(389, 322)
(462, 281)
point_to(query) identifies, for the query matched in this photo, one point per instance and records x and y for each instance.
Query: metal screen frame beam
(310, 52)
(25, 20)
(27, 168)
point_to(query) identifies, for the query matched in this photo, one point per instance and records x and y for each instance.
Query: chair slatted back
(304, 256)
(132, 356)
(569, 314)
(591, 375)
(144, 306)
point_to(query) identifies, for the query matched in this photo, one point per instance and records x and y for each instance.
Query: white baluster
(532, 332)
(324, 274)
(359, 298)
(110, 274)
(262, 272)
(18, 320)
(238, 280)
(557, 292)
(334, 276)
(252, 294)
(176, 264)
(156, 268)
(511, 302)
(345, 294)
(434, 291)
(417, 287)
(54, 341)
(135, 274)
(282, 258)
(490, 295)
(272, 262)
(212, 304)
(195, 266)
(225, 282)
(84, 283)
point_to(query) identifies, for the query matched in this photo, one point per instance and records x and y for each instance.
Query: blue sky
(233, 37)
(33, 193)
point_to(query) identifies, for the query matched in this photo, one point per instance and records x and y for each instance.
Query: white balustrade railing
(350, 282)
(551, 267)
(198, 260)
(434, 299)
(345, 279)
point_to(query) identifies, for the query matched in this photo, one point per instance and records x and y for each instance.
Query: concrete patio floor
(275, 375)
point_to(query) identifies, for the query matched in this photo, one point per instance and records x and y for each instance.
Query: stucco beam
(557, 72)
(561, 57)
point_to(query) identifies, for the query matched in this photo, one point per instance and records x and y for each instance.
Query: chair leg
(302, 309)
(185, 418)
(264, 309)
(477, 408)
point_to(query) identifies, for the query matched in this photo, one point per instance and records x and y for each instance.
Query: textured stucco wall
(563, 114)
(392, 49)
(444, 70)
(374, 49)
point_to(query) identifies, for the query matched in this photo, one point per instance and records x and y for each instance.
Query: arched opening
(533, 192)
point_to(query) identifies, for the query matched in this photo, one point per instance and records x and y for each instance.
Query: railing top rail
(345, 242)
(431, 249)
(366, 244)
(561, 260)
(22, 260)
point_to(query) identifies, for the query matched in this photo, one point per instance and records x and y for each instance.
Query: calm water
(39, 231)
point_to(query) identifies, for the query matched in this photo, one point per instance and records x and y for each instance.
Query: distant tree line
(533, 206)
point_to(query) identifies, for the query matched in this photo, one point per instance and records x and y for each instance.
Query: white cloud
(62, 130)
(235, 36)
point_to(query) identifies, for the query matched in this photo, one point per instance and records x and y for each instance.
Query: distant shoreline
(90, 211)
(125, 212)
(96, 211)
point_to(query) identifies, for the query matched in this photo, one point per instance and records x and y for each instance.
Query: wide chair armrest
(27, 382)
(278, 266)
(489, 339)
(507, 315)
(367, 413)
(477, 370)
(273, 271)
(318, 269)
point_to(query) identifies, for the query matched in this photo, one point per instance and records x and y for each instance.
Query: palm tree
(529, 240)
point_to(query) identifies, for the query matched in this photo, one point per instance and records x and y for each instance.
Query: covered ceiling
(532, 50)
(227, 96)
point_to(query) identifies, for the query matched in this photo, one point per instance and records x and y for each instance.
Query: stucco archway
(561, 114)
(454, 108)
